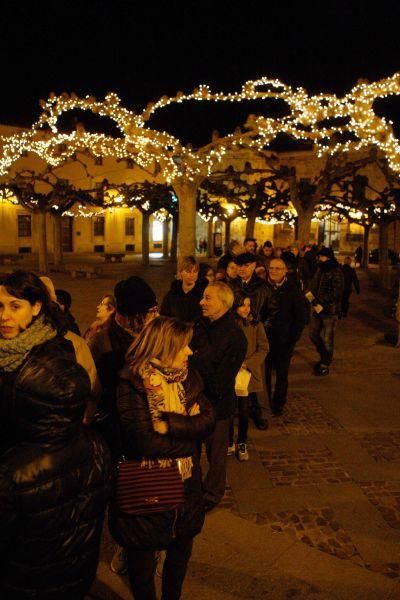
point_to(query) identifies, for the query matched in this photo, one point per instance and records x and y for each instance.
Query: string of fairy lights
(310, 118)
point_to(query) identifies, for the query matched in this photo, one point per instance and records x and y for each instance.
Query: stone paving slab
(366, 525)
(282, 557)
(251, 500)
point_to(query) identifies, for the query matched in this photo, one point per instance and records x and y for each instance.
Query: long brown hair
(162, 338)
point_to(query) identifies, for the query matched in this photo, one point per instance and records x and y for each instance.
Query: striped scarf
(165, 393)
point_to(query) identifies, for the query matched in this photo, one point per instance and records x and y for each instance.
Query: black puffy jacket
(54, 483)
(139, 440)
(181, 305)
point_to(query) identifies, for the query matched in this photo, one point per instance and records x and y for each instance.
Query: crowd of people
(118, 418)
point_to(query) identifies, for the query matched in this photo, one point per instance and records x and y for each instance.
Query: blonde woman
(163, 416)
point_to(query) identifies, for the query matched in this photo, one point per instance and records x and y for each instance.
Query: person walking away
(284, 325)
(55, 474)
(325, 294)
(219, 349)
(163, 415)
(350, 280)
(257, 348)
(358, 256)
(182, 300)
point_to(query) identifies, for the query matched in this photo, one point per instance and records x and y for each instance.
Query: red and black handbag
(144, 488)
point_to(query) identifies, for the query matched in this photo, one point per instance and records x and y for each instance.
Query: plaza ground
(315, 513)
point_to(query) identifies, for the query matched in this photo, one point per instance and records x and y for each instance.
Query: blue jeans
(322, 331)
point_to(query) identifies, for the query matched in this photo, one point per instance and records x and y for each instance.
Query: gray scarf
(13, 352)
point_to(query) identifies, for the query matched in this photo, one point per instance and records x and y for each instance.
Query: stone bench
(10, 258)
(113, 256)
(87, 271)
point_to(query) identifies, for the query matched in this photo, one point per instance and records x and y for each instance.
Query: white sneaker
(119, 563)
(242, 453)
(231, 450)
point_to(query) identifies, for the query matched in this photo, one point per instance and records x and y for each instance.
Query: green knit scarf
(13, 352)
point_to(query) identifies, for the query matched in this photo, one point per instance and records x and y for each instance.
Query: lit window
(157, 231)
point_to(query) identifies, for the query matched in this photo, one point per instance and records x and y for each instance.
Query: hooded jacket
(54, 482)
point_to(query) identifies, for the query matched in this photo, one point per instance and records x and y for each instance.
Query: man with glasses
(283, 327)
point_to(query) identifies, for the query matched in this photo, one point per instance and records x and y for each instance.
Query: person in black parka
(182, 301)
(55, 475)
(163, 415)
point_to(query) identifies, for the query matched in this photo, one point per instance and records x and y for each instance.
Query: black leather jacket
(54, 482)
(327, 287)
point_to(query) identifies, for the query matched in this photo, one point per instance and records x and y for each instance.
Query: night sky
(142, 51)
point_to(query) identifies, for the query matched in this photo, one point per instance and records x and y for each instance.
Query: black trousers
(142, 567)
(243, 421)
(216, 447)
(345, 302)
(278, 360)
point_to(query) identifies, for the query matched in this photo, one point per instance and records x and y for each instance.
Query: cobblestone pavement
(315, 512)
(381, 445)
(303, 467)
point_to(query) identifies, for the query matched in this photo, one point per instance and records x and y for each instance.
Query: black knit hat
(134, 296)
(245, 258)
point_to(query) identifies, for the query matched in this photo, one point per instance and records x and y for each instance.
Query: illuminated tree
(333, 125)
(46, 193)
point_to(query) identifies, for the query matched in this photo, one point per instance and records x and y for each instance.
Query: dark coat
(256, 290)
(54, 483)
(350, 279)
(109, 347)
(327, 287)
(288, 318)
(224, 260)
(139, 440)
(219, 349)
(181, 305)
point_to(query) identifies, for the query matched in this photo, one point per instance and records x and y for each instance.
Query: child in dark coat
(253, 365)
